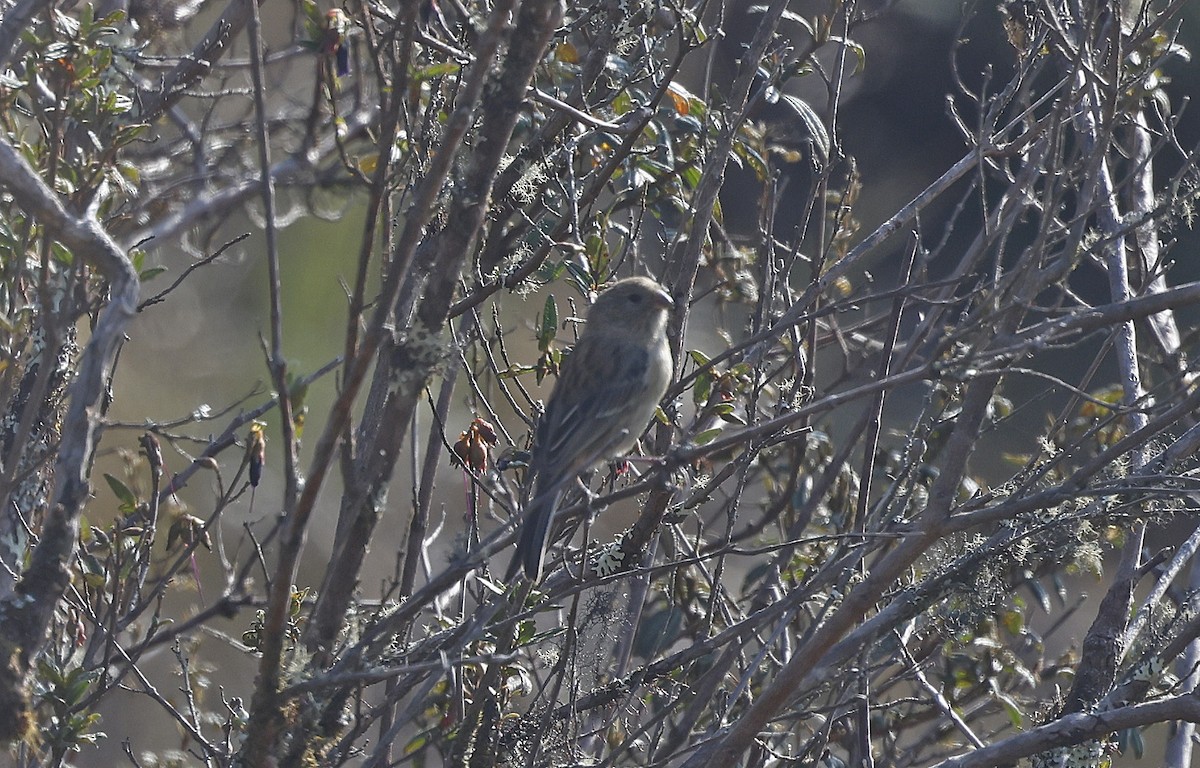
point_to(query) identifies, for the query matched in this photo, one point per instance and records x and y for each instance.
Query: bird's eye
(636, 298)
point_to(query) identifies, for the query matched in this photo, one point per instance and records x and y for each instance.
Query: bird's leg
(628, 464)
(624, 466)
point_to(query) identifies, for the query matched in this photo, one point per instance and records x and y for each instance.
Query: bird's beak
(664, 300)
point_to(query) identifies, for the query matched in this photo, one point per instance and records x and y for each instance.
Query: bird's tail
(535, 529)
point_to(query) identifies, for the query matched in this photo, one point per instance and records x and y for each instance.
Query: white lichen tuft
(610, 559)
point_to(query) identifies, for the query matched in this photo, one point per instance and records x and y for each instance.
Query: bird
(606, 393)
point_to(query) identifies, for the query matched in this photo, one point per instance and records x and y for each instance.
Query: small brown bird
(605, 396)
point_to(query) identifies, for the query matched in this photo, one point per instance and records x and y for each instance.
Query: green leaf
(791, 16)
(812, 125)
(129, 172)
(61, 253)
(707, 436)
(702, 388)
(297, 390)
(548, 327)
(583, 281)
(117, 104)
(798, 19)
(114, 19)
(596, 248)
(623, 103)
(732, 417)
(87, 14)
(1013, 621)
(525, 631)
(49, 672)
(859, 52)
(75, 688)
(549, 271)
(121, 491)
(312, 18)
(435, 71)
(417, 742)
(1011, 708)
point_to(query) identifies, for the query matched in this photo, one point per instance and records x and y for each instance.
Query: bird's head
(635, 304)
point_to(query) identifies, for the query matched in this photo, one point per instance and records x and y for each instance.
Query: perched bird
(605, 396)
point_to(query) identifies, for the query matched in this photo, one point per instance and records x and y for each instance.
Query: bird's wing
(582, 424)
